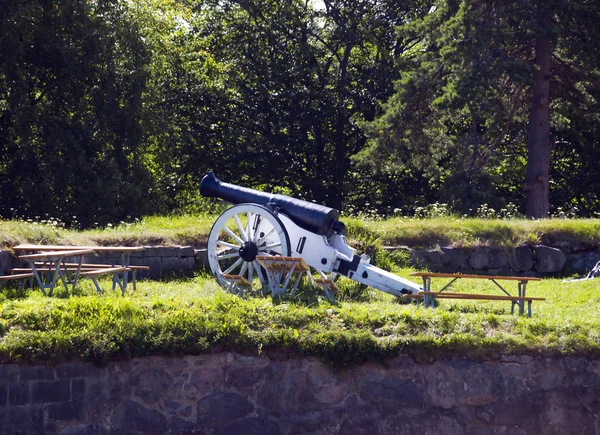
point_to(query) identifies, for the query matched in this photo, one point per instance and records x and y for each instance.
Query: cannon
(268, 239)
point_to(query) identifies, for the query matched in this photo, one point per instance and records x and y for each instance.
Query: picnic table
(429, 296)
(53, 258)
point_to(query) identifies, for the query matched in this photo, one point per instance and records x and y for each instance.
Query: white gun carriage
(272, 240)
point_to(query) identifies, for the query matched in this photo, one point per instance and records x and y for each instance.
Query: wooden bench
(124, 251)
(115, 271)
(73, 267)
(514, 299)
(429, 296)
(94, 266)
(21, 276)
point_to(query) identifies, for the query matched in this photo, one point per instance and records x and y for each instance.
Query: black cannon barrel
(313, 217)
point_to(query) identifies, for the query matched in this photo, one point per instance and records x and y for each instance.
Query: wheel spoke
(234, 235)
(233, 266)
(240, 227)
(225, 256)
(267, 247)
(258, 222)
(263, 238)
(248, 224)
(229, 245)
(250, 272)
(244, 267)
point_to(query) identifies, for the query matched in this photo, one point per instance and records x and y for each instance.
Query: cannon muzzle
(313, 217)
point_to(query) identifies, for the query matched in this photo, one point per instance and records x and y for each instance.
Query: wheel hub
(249, 251)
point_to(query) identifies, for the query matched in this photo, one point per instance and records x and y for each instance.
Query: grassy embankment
(195, 315)
(443, 231)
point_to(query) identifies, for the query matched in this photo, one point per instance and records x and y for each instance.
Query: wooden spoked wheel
(238, 236)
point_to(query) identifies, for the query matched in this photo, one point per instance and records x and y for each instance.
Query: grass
(430, 232)
(153, 230)
(194, 315)
(448, 231)
(191, 316)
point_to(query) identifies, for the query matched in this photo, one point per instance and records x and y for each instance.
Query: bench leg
(512, 307)
(529, 308)
(97, 285)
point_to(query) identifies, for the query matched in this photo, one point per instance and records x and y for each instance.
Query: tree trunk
(538, 145)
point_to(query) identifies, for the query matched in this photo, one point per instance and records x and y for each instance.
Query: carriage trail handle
(310, 216)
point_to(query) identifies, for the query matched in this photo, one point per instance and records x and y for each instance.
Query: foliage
(113, 110)
(461, 112)
(195, 316)
(72, 77)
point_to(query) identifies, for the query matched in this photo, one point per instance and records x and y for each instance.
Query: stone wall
(521, 261)
(248, 395)
(162, 260)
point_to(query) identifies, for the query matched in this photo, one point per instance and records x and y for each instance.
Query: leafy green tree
(477, 91)
(72, 78)
(267, 93)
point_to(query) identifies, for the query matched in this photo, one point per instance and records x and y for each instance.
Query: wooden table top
(458, 275)
(57, 254)
(44, 248)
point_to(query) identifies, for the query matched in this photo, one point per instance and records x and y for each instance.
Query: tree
(279, 86)
(475, 97)
(71, 82)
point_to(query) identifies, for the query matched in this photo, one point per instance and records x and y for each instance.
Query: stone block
(434, 423)
(65, 411)
(220, 408)
(187, 251)
(355, 425)
(155, 265)
(463, 383)
(85, 429)
(9, 372)
(18, 394)
(179, 424)
(3, 394)
(549, 260)
(418, 259)
(253, 426)
(51, 391)
(453, 259)
(175, 264)
(434, 260)
(77, 389)
(161, 251)
(37, 373)
(77, 370)
(484, 257)
(130, 416)
(202, 258)
(394, 392)
(5, 261)
(26, 420)
(582, 262)
(137, 254)
(521, 258)
(523, 411)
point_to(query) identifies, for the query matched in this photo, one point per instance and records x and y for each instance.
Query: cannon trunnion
(266, 238)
